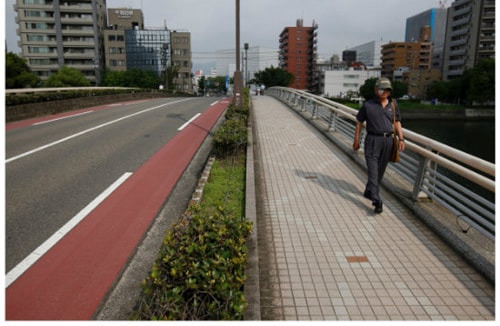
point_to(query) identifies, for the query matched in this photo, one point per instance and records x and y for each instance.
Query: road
(60, 168)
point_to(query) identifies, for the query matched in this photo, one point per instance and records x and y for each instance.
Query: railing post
(315, 111)
(419, 177)
(332, 122)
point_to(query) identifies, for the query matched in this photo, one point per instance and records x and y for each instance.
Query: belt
(382, 134)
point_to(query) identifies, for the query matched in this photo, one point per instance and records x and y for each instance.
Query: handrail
(423, 162)
(472, 161)
(60, 89)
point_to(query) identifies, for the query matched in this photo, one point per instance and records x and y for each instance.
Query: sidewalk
(324, 254)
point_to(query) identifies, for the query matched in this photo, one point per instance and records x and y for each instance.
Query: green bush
(201, 271)
(230, 138)
(17, 99)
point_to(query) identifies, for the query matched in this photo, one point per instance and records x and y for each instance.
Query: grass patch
(227, 186)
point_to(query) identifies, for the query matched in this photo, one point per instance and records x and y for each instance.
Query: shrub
(200, 272)
(230, 138)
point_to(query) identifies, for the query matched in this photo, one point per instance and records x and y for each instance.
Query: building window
(37, 38)
(37, 26)
(34, 2)
(39, 49)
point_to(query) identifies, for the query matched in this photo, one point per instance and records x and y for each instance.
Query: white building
(369, 54)
(346, 83)
(259, 58)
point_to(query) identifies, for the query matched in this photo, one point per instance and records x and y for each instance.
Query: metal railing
(462, 183)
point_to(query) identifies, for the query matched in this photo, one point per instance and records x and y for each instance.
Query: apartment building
(181, 60)
(119, 20)
(470, 35)
(298, 54)
(410, 55)
(56, 33)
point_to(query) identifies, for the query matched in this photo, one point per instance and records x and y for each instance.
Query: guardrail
(429, 166)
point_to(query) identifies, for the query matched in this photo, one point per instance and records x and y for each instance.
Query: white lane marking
(214, 103)
(190, 120)
(27, 262)
(67, 117)
(41, 148)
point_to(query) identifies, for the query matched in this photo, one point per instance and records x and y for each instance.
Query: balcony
(77, 21)
(457, 43)
(463, 21)
(80, 8)
(462, 11)
(77, 32)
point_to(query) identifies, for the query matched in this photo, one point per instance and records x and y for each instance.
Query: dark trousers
(377, 155)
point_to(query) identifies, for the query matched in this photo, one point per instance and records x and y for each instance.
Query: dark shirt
(378, 119)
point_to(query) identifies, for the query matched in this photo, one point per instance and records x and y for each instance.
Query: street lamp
(246, 65)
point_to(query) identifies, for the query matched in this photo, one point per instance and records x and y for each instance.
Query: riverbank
(452, 113)
(423, 111)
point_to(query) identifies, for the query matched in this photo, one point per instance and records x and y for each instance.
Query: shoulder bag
(395, 146)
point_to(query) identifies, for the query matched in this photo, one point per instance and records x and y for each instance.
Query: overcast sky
(342, 24)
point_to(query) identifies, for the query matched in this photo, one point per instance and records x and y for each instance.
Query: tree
(477, 85)
(217, 84)
(274, 77)
(481, 82)
(113, 78)
(201, 84)
(18, 74)
(131, 78)
(67, 77)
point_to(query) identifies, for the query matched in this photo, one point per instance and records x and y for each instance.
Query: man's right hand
(355, 145)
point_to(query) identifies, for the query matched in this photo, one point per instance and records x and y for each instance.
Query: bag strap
(394, 116)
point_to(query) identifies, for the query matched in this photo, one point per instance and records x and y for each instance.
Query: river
(475, 137)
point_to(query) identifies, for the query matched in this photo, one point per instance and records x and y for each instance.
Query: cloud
(342, 24)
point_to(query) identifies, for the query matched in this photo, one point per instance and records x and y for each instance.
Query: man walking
(378, 113)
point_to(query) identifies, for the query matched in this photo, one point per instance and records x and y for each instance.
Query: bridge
(326, 256)
(318, 252)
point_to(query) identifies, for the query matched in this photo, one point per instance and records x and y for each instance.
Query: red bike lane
(72, 278)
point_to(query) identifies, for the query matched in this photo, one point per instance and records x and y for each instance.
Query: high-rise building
(435, 20)
(369, 54)
(181, 60)
(68, 33)
(119, 20)
(470, 35)
(148, 49)
(298, 54)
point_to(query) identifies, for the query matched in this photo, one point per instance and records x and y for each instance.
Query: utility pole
(238, 83)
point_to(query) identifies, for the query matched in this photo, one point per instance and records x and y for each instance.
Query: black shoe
(367, 194)
(378, 207)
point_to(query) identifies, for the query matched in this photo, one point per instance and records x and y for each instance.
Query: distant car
(404, 97)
